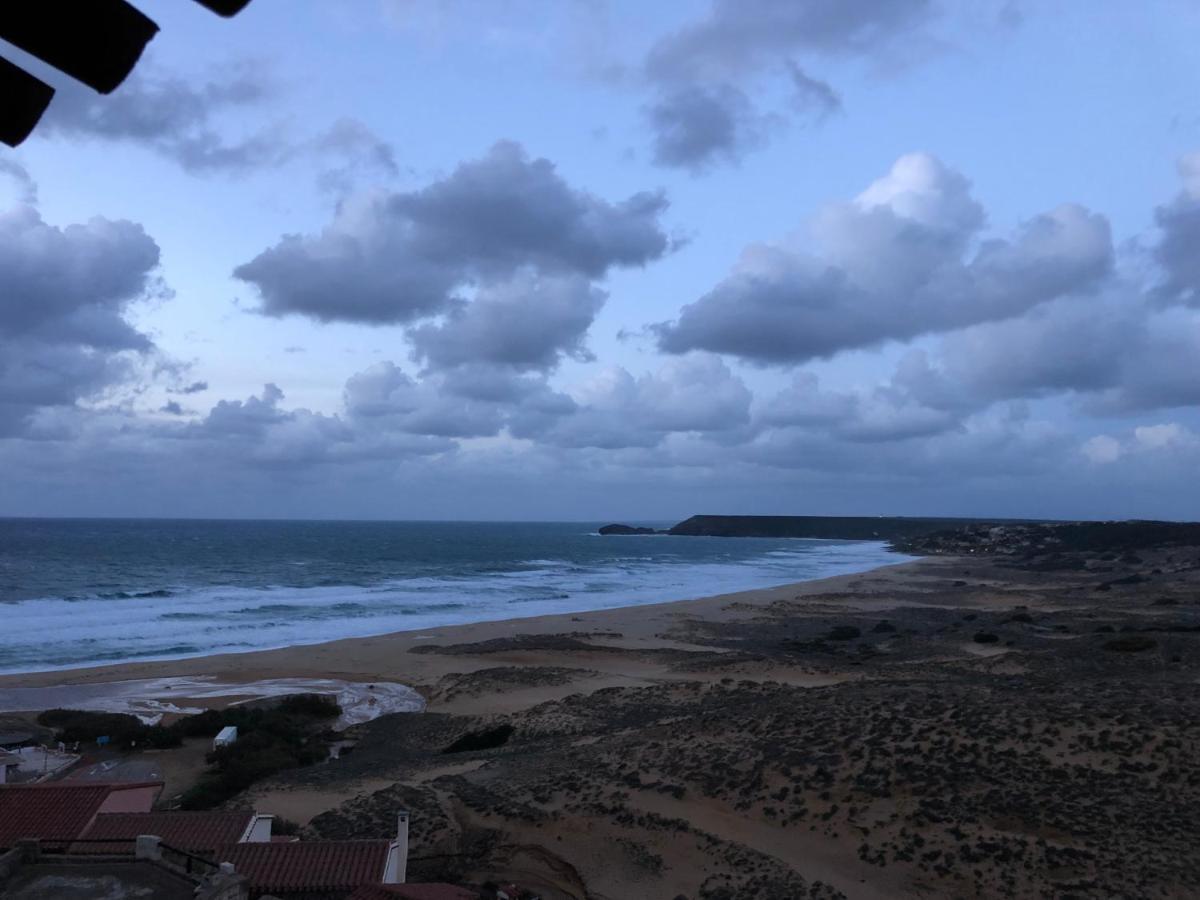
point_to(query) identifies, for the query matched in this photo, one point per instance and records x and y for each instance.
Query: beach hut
(225, 737)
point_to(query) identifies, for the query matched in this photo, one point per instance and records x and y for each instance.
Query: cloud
(184, 120)
(172, 116)
(695, 127)
(616, 410)
(701, 73)
(1176, 251)
(885, 413)
(526, 322)
(812, 95)
(1115, 353)
(506, 229)
(903, 259)
(21, 179)
(64, 295)
(740, 36)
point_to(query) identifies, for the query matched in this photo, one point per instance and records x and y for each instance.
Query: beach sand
(945, 727)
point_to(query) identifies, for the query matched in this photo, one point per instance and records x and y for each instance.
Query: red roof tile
(198, 832)
(414, 891)
(308, 865)
(48, 811)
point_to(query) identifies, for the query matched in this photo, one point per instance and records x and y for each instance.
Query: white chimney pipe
(401, 846)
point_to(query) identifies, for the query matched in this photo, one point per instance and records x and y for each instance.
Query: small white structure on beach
(225, 737)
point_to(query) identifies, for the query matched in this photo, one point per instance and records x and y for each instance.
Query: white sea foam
(56, 633)
(150, 698)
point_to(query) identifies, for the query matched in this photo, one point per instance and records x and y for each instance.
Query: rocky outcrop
(628, 529)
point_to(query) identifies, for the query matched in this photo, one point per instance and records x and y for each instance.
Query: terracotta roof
(414, 891)
(198, 832)
(308, 865)
(48, 811)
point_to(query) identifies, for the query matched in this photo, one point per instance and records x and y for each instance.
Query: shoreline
(330, 659)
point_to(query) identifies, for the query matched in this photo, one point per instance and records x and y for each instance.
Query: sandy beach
(388, 657)
(954, 726)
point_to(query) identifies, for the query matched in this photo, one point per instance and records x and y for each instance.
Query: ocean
(78, 592)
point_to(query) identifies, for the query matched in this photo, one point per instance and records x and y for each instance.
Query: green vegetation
(284, 736)
(122, 730)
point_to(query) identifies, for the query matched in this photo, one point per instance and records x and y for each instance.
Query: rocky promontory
(628, 529)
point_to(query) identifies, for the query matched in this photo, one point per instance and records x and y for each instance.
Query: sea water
(77, 592)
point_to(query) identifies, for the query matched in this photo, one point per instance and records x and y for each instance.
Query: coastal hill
(850, 528)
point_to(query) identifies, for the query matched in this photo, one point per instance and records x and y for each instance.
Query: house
(196, 832)
(61, 812)
(311, 870)
(8, 766)
(225, 737)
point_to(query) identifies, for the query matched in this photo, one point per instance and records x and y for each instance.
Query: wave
(122, 625)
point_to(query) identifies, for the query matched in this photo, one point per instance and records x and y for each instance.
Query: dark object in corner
(25, 99)
(488, 739)
(225, 8)
(97, 42)
(627, 529)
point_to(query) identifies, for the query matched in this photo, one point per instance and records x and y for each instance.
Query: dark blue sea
(76, 592)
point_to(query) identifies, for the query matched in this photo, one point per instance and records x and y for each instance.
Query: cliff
(855, 528)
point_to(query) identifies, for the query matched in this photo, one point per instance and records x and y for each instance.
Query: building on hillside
(60, 812)
(201, 833)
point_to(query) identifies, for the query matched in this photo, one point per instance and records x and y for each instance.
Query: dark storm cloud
(695, 127)
(399, 257)
(894, 264)
(526, 323)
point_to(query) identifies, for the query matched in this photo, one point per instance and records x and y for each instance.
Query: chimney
(401, 846)
(147, 847)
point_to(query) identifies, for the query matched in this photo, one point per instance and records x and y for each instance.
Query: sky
(604, 259)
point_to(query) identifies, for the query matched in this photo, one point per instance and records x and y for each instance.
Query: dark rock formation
(851, 528)
(628, 529)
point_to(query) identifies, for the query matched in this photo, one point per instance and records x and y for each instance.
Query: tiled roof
(414, 891)
(307, 865)
(198, 832)
(48, 811)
